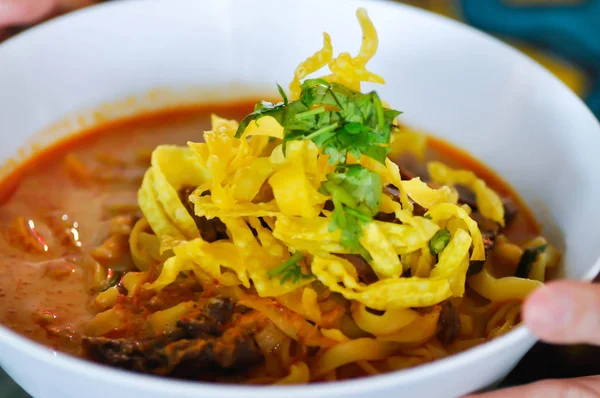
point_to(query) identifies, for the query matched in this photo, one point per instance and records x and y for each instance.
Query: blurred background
(561, 35)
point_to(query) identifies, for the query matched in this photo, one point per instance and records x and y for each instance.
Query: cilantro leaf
(283, 95)
(356, 194)
(261, 109)
(362, 185)
(336, 118)
(349, 226)
(340, 121)
(336, 154)
(289, 270)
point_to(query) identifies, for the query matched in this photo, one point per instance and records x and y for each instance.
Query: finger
(20, 12)
(584, 387)
(565, 312)
(75, 4)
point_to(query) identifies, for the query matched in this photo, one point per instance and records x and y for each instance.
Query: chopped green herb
(289, 270)
(362, 184)
(356, 195)
(283, 95)
(339, 120)
(527, 259)
(439, 241)
(349, 226)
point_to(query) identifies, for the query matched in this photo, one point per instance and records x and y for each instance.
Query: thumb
(565, 312)
(20, 12)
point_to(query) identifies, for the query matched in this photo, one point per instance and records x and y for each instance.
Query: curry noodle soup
(317, 239)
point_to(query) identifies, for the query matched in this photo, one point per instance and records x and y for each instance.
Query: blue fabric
(569, 30)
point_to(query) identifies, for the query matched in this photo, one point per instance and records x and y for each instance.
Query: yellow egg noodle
(268, 195)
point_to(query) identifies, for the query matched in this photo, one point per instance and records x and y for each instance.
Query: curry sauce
(62, 211)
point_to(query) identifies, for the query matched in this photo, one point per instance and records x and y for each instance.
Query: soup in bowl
(319, 240)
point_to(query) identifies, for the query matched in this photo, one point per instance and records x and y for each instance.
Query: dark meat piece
(510, 210)
(405, 173)
(201, 347)
(489, 229)
(419, 210)
(394, 193)
(216, 312)
(200, 326)
(218, 309)
(385, 217)
(241, 309)
(363, 269)
(484, 224)
(234, 354)
(210, 230)
(410, 167)
(489, 232)
(448, 324)
(466, 196)
(328, 205)
(177, 357)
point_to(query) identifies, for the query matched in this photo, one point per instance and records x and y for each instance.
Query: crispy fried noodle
(327, 261)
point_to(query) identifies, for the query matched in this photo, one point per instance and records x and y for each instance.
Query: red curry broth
(46, 295)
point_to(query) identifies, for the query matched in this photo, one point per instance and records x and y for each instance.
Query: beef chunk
(198, 327)
(216, 313)
(328, 205)
(210, 230)
(448, 324)
(177, 356)
(406, 173)
(363, 269)
(385, 217)
(510, 210)
(394, 192)
(489, 232)
(466, 196)
(218, 309)
(475, 266)
(207, 345)
(419, 210)
(489, 238)
(410, 167)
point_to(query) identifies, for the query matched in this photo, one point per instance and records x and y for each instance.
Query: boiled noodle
(284, 252)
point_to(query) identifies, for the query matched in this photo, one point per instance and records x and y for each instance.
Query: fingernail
(546, 312)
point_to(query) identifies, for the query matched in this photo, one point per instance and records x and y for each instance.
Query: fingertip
(548, 311)
(564, 312)
(19, 12)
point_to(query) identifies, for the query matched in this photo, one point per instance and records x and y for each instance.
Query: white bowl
(448, 79)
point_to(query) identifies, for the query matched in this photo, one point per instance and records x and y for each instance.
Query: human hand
(21, 12)
(561, 312)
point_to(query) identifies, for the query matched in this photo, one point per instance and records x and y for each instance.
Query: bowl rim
(80, 366)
